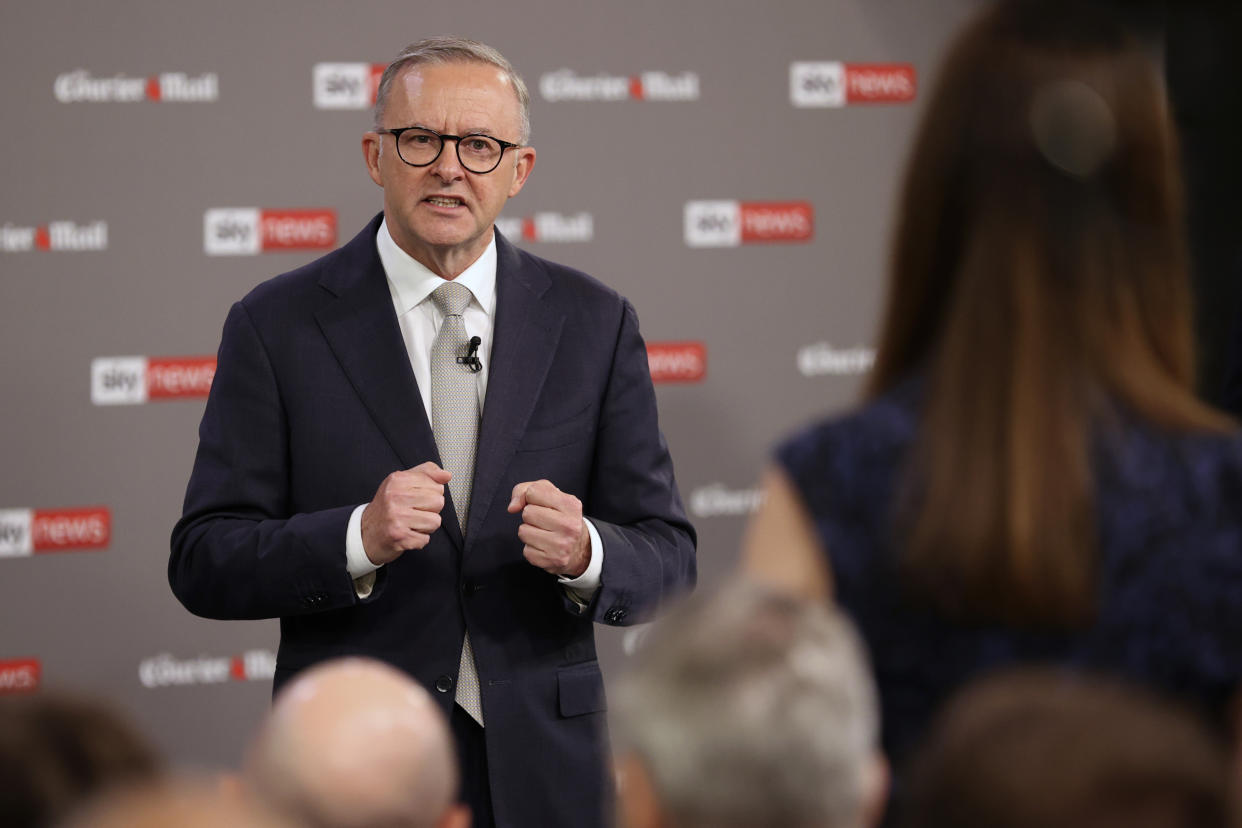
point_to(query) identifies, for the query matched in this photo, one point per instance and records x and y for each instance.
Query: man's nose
(448, 165)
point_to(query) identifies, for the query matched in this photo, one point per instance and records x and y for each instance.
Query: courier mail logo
(548, 227)
(836, 84)
(677, 361)
(164, 670)
(822, 359)
(58, 236)
(730, 223)
(717, 500)
(566, 85)
(80, 86)
(26, 532)
(137, 380)
(21, 675)
(248, 231)
(346, 85)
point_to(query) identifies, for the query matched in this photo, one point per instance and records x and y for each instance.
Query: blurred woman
(1030, 477)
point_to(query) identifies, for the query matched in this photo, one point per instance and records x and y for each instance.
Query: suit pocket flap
(581, 689)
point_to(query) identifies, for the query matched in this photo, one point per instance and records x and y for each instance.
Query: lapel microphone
(471, 359)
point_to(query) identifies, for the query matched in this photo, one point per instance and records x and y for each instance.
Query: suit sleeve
(649, 545)
(237, 551)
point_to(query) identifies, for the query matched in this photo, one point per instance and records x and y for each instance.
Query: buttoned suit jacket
(314, 402)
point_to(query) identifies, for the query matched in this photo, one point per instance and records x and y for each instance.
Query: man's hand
(404, 512)
(552, 528)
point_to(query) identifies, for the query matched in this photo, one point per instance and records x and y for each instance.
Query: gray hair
(751, 708)
(450, 49)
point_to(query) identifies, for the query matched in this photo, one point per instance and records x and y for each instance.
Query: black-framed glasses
(478, 153)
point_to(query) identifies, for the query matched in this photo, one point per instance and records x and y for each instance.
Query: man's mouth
(444, 201)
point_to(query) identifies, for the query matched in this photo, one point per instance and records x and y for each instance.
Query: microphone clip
(471, 359)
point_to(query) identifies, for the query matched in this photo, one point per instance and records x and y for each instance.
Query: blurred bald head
(355, 743)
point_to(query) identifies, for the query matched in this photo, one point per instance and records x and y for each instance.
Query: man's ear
(521, 170)
(457, 816)
(876, 779)
(638, 805)
(371, 148)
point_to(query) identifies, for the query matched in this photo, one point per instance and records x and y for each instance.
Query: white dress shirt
(411, 285)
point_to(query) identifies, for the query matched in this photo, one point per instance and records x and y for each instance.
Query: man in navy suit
(319, 494)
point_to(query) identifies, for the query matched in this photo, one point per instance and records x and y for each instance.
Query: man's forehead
(459, 89)
(455, 77)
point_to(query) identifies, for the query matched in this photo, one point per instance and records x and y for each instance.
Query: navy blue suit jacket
(314, 403)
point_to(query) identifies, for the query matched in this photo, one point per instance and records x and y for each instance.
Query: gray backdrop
(111, 202)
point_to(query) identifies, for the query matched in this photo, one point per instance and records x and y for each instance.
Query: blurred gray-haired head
(748, 707)
(450, 49)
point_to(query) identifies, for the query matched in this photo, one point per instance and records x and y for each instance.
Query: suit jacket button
(444, 684)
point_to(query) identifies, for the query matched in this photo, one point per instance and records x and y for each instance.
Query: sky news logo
(164, 670)
(59, 236)
(20, 675)
(566, 85)
(26, 532)
(822, 359)
(731, 223)
(346, 85)
(836, 84)
(80, 86)
(248, 231)
(677, 361)
(137, 379)
(548, 227)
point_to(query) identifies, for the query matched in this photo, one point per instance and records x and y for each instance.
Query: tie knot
(451, 298)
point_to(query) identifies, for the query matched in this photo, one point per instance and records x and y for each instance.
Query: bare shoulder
(781, 547)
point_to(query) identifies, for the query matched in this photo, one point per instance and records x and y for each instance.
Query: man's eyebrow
(488, 131)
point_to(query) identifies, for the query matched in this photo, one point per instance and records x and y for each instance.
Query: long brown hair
(1039, 268)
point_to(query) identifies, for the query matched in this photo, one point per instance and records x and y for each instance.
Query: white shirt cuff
(585, 585)
(356, 561)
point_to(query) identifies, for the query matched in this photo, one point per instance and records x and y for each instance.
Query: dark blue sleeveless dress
(1169, 580)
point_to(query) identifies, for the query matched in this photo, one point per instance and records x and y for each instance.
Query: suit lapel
(361, 328)
(524, 340)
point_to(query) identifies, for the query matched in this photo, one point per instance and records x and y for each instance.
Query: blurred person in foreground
(1034, 748)
(749, 708)
(180, 804)
(354, 743)
(58, 750)
(1030, 477)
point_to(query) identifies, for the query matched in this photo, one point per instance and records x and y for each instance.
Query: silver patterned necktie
(455, 421)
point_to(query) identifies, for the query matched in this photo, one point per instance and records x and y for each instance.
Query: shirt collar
(411, 282)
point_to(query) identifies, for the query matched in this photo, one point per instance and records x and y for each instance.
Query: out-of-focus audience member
(749, 708)
(58, 750)
(1033, 749)
(1231, 399)
(354, 743)
(175, 805)
(1030, 477)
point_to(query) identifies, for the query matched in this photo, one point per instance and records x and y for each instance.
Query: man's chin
(445, 235)
(443, 246)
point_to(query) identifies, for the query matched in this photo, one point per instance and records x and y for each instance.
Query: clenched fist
(404, 512)
(552, 528)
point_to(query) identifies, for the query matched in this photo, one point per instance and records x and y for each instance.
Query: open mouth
(444, 201)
